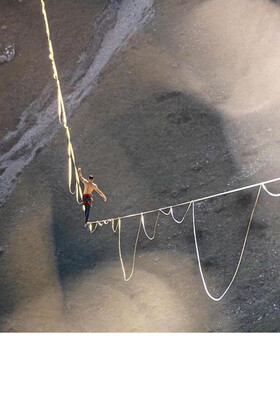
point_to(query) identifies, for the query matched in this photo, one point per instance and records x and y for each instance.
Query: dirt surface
(24, 79)
(186, 107)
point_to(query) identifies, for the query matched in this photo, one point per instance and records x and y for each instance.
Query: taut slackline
(116, 222)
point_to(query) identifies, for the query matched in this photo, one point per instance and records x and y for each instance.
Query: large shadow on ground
(167, 149)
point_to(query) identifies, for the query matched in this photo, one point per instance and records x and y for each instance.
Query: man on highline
(89, 187)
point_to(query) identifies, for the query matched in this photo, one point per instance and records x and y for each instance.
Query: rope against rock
(164, 210)
(127, 277)
(62, 116)
(217, 299)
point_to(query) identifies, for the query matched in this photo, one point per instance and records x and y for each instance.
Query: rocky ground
(168, 101)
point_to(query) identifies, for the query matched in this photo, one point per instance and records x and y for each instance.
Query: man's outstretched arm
(81, 176)
(100, 193)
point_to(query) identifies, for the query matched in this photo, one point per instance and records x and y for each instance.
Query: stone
(8, 55)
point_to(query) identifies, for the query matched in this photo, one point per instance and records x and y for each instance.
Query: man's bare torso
(89, 187)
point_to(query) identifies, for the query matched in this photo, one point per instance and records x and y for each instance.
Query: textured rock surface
(188, 106)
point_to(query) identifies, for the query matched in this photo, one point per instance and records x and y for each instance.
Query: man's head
(90, 178)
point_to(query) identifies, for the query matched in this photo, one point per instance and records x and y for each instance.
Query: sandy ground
(187, 108)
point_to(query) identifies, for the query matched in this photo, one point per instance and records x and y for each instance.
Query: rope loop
(217, 299)
(269, 192)
(91, 229)
(154, 229)
(185, 214)
(165, 213)
(127, 278)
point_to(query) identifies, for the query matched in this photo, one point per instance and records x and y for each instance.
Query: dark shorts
(87, 200)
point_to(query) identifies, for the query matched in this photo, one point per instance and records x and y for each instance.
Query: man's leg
(87, 211)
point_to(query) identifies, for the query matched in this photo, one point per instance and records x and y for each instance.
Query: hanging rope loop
(269, 192)
(170, 207)
(185, 214)
(217, 299)
(151, 238)
(127, 278)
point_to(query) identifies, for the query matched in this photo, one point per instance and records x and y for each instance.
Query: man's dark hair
(90, 177)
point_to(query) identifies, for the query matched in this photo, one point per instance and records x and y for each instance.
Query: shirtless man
(89, 187)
